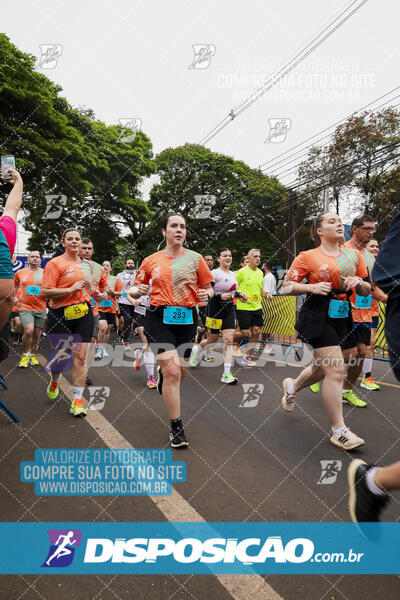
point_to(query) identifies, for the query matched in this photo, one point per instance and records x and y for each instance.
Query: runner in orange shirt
(32, 307)
(362, 231)
(180, 279)
(107, 310)
(325, 322)
(67, 281)
(98, 280)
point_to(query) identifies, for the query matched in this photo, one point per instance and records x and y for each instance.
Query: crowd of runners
(181, 304)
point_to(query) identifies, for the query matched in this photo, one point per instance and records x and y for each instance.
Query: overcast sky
(131, 59)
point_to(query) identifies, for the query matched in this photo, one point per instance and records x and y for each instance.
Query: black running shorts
(57, 323)
(163, 337)
(249, 318)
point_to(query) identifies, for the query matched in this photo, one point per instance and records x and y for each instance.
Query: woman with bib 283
(180, 279)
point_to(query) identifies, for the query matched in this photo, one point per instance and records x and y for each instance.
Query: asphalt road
(248, 460)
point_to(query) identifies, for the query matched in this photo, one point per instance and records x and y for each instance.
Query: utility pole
(291, 228)
(326, 194)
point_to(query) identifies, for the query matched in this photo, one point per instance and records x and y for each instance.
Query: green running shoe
(52, 390)
(352, 398)
(77, 408)
(229, 378)
(315, 387)
(194, 357)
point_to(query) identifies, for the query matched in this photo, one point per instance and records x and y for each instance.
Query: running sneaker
(288, 400)
(247, 362)
(24, 362)
(369, 384)
(194, 358)
(346, 439)
(33, 360)
(315, 387)
(99, 354)
(351, 398)
(52, 390)
(77, 408)
(209, 358)
(127, 345)
(159, 379)
(229, 378)
(137, 361)
(364, 505)
(237, 352)
(151, 382)
(105, 353)
(178, 439)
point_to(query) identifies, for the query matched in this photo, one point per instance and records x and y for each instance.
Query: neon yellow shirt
(250, 282)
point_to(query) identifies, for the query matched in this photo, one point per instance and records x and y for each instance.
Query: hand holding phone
(7, 162)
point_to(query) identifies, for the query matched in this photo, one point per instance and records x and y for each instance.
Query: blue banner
(22, 261)
(192, 548)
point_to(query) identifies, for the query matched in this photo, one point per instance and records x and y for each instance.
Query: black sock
(176, 424)
(366, 375)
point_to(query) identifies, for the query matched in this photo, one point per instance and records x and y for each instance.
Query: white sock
(290, 388)
(367, 367)
(345, 391)
(227, 368)
(148, 359)
(343, 428)
(195, 350)
(28, 353)
(78, 392)
(371, 485)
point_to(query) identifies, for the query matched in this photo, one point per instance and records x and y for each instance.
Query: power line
(300, 56)
(285, 161)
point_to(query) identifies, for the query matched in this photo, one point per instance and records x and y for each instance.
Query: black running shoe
(159, 379)
(178, 439)
(364, 505)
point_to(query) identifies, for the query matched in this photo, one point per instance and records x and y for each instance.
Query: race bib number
(178, 315)
(338, 309)
(213, 323)
(363, 301)
(106, 303)
(254, 298)
(124, 294)
(76, 311)
(33, 290)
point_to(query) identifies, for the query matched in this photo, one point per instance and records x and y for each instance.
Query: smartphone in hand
(7, 162)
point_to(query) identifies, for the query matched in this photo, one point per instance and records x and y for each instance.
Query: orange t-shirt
(362, 315)
(175, 280)
(115, 285)
(26, 279)
(316, 266)
(61, 272)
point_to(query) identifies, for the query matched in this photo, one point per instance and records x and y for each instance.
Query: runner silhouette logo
(63, 543)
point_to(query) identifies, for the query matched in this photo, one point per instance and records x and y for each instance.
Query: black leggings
(127, 312)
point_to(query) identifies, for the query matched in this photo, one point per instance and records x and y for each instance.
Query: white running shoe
(346, 439)
(288, 400)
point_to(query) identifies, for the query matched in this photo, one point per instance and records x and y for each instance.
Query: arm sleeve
(362, 268)
(103, 280)
(143, 274)
(204, 275)
(50, 275)
(298, 269)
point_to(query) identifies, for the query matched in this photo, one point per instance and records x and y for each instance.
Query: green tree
(63, 151)
(240, 214)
